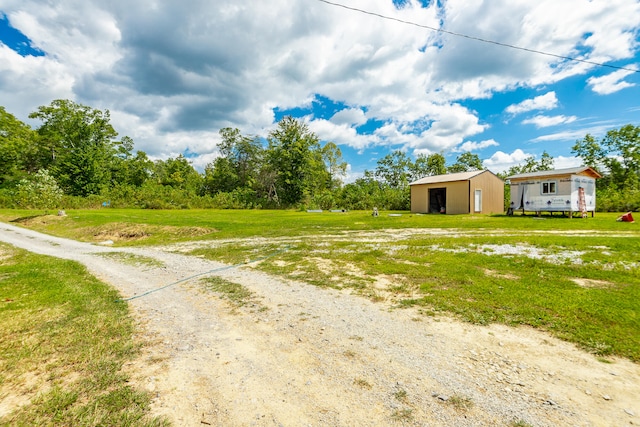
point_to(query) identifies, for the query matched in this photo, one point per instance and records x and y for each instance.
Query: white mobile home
(561, 190)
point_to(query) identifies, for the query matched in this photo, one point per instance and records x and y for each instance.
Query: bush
(39, 192)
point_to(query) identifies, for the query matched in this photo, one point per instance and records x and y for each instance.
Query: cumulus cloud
(501, 161)
(548, 121)
(173, 73)
(610, 83)
(349, 116)
(548, 101)
(473, 145)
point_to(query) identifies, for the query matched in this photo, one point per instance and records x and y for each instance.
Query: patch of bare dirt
(496, 274)
(592, 283)
(118, 232)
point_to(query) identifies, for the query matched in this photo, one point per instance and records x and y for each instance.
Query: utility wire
(215, 270)
(440, 30)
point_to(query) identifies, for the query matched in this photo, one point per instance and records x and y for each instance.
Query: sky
(372, 76)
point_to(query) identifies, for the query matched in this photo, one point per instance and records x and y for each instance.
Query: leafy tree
(590, 151)
(616, 155)
(364, 193)
(18, 144)
(466, 162)
(244, 154)
(39, 192)
(238, 166)
(178, 173)
(128, 169)
(436, 164)
(623, 156)
(393, 169)
(77, 145)
(531, 165)
(335, 166)
(294, 156)
(220, 176)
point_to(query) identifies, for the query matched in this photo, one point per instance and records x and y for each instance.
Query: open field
(377, 338)
(576, 278)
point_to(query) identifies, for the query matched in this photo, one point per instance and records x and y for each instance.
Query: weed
(362, 383)
(401, 395)
(133, 259)
(350, 354)
(234, 293)
(405, 414)
(460, 403)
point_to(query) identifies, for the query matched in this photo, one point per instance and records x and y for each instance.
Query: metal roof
(567, 171)
(450, 177)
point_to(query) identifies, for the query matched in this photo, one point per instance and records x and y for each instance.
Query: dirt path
(301, 355)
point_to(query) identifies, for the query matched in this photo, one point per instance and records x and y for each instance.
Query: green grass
(133, 226)
(131, 259)
(584, 286)
(234, 293)
(63, 343)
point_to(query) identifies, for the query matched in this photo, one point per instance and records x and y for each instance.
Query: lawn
(63, 343)
(578, 279)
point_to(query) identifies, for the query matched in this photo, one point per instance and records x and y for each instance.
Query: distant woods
(75, 159)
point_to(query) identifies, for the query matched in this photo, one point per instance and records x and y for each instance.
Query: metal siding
(419, 198)
(492, 193)
(457, 197)
(460, 195)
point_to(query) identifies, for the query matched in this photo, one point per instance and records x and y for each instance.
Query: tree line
(75, 159)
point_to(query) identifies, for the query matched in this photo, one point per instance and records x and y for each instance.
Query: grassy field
(577, 278)
(63, 343)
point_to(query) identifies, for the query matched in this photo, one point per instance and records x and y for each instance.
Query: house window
(549, 187)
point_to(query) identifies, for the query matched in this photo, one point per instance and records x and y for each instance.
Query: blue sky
(172, 74)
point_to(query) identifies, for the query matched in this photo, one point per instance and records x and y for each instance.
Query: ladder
(582, 204)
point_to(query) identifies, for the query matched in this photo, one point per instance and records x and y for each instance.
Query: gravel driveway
(301, 355)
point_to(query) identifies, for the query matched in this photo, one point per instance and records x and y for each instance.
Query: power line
(440, 30)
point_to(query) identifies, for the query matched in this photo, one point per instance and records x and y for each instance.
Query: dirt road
(299, 355)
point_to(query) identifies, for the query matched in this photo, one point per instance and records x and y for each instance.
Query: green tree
(334, 164)
(294, 156)
(466, 162)
(531, 165)
(436, 164)
(623, 156)
(178, 173)
(393, 169)
(77, 146)
(18, 144)
(590, 151)
(237, 167)
(41, 191)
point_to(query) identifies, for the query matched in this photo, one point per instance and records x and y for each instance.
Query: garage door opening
(437, 200)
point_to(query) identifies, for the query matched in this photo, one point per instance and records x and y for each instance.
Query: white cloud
(349, 116)
(473, 145)
(610, 83)
(548, 121)
(341, 134)
(595, 129)
(562, 162)
(172, 74)
(548, 101)
(501, 161)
